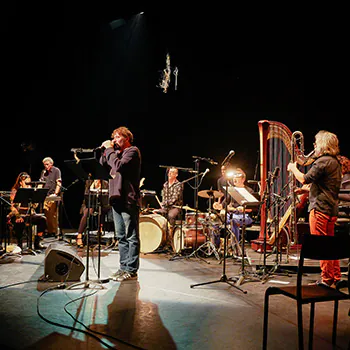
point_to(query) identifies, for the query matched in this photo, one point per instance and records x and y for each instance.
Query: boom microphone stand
(223, 276)
(277, 203)
(89, 168)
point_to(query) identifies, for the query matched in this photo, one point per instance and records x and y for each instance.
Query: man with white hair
(51, 175)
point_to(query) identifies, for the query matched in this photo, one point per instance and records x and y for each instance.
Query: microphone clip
(209, 160)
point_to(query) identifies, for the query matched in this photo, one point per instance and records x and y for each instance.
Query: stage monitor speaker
(62, 264)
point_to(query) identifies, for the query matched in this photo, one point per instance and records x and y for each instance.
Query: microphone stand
(223, 276)
(277, 203)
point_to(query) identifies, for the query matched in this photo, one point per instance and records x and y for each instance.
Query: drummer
(172, 197)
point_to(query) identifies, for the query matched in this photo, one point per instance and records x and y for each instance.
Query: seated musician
(51, 175)
(98, 197)
(21, 216)
(234, 209)
(172, 197)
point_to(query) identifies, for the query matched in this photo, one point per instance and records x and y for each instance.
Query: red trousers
(322, 224)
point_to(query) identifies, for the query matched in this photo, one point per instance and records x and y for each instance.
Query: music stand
(89, 169)
(28, 197)
(244, 199)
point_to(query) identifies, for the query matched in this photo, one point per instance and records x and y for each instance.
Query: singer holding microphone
(124, 163)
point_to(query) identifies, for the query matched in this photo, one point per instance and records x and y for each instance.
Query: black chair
(317, 248)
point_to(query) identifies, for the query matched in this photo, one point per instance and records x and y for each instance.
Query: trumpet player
(324, 176)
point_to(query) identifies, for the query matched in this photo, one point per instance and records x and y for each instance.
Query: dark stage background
(72, 74)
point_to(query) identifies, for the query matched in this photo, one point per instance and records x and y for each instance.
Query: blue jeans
(126, 224)
(236, 221)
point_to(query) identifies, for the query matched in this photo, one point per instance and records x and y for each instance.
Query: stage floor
(179, 301)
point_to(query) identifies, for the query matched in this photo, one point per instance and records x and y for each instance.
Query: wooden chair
(317, 248)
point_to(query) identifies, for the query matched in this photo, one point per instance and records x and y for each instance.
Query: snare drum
(153, 230)
(186, 238)
(190, 218)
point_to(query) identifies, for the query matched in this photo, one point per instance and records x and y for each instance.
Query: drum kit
(198, 231)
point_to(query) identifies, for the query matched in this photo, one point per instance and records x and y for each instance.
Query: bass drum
(153, 230)
(186, 238)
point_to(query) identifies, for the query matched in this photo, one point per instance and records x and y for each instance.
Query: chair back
(325, 247)
(322, 248)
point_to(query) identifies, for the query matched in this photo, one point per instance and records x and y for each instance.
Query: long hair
(22, 176)
(326, 143)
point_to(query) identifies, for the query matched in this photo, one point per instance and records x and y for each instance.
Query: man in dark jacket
(124, 163)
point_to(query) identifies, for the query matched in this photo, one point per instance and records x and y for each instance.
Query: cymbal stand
(209, 244)
(234, 245)
(196, 179)
(223, 276)
(208, 247)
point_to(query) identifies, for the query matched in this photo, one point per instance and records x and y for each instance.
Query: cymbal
(210, 193)
(186, 207)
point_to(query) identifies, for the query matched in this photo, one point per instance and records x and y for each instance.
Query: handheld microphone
(228, 157)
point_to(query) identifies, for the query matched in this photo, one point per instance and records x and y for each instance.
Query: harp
(277, 149)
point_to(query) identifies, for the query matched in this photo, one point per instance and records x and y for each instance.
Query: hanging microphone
(227, 158)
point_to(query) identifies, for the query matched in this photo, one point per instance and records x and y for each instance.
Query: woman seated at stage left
(21, 216)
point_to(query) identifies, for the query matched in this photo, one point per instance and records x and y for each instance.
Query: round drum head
(178, 239)
(151, 235)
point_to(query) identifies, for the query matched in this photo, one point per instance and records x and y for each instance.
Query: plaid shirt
(172, 194)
